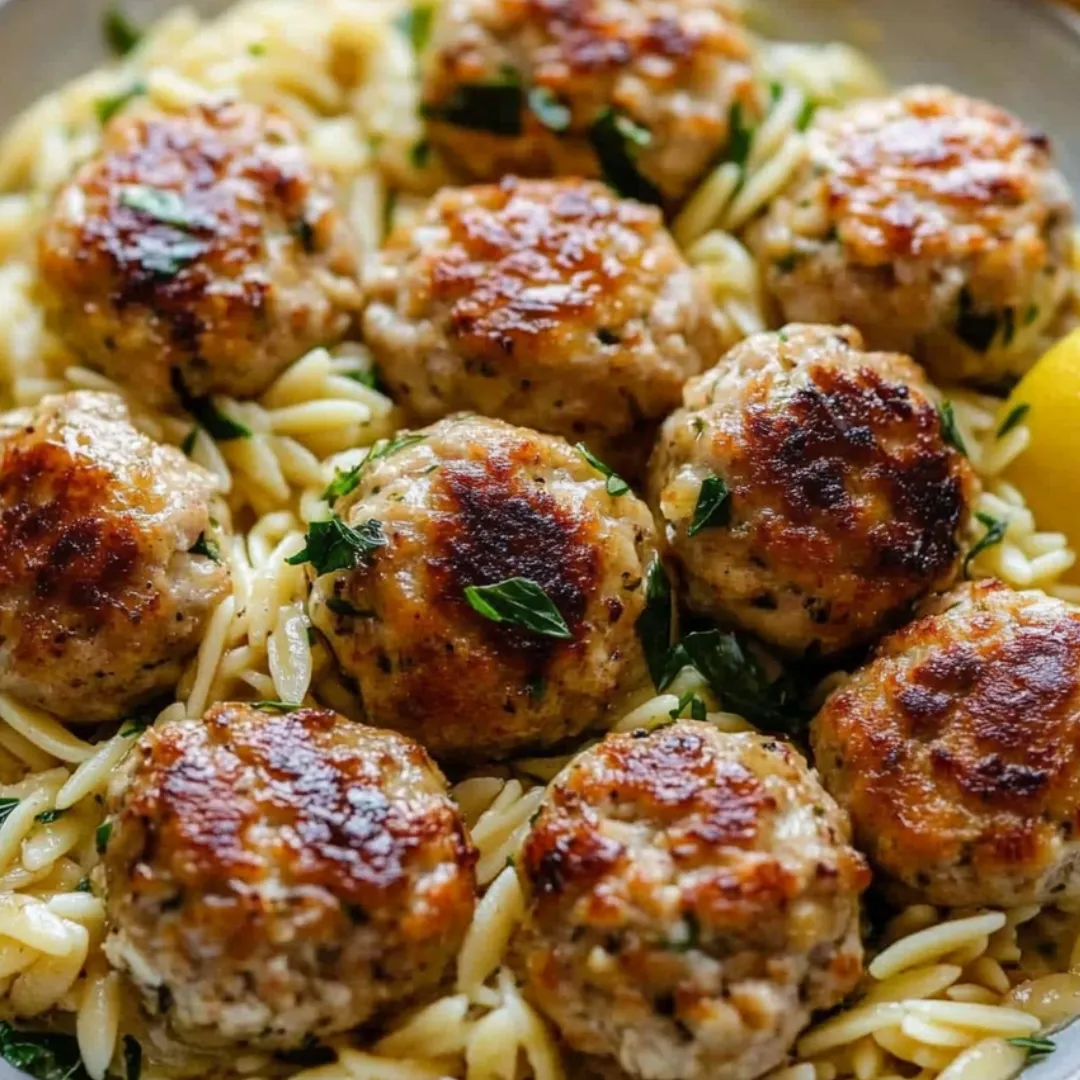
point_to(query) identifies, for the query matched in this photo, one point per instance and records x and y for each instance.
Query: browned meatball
(471, 502)
(555, 305)
(277, 877)
(642, 90)
(935, 223)
(693, 896)
(957, 750)
(198, 252)
(809, 490)
(110, 571)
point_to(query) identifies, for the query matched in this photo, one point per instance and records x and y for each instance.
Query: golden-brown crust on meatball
(315, 862)
(673, 67)
(201, 247)
(551, 304)
(846, 501)
(934, 222)
(957, 749)
(692, 895)
(101, 600)
(477, 502)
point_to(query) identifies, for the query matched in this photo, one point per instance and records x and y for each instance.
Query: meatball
(274, 877)
(561, 551)
(111, 569)
(809, 490)
(935, 223)
(198, 253)
(642, 91)
(552, 304)
(692, 898)
(957, 750)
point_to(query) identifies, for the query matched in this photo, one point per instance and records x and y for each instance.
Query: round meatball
(692, 897)
(935, 223)
(552, 304)
(474, 504)
(198, 253)
(273, 877)
(641, 91)
(809, 489)
(111, 569)
(957, 750)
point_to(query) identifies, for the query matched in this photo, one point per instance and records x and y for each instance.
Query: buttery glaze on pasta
(241, 267)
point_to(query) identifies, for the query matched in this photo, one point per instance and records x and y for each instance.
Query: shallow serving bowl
(1023, 54)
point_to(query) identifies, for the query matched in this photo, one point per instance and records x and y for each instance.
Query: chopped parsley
(654, 623)
(615, 485)
(83, 885)
(340, 606)
(420, 153)
(740, 136)
(415, 23)
(806, 115)
(188, 445)
(205, 546)
(46, 1057)
(950, 432)
(101, 836)
(345, 480)
(277, 706)
(1037, 1046)
(161, 204)
(218, 425)
(107, 107)
(549, 110)
(136, 725)
(132, 1058)
(713, 506)
(617, 140)
(121, 33)
(1017, 415)
(521, 602)
(975, 329)
(995, 533)
(697, 707)
(332, 545)
(494, 106)
(47, 817)
(6, 806)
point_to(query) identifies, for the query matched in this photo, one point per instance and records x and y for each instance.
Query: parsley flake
(713, 506)
(950, 431)
(521, 602)
(1017, 415)
(615, 485)
(332, 545)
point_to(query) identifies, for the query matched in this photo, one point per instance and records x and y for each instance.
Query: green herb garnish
(617, 140)
(975, 329)
(615, 485)
(132, 1058)
(217, 424)
(121, 34)
(277, 706)
(740, 136)
(415, 23)
(713, 506)
(47, 817)
(161, 204)
(332, 545)
(101, 836)
(697, 707)
(136, 725)
(654, 623)
(495, 106)
(207, 547)
(1037, 1046)
(950, 432)
(107, 107)
(340, 606)
(345, 480)
(188, 445)
(549, 110)
(83, 885)
(6, 806)
(1017, 415)
(519, 601)
(995, 533)
(46, 1057)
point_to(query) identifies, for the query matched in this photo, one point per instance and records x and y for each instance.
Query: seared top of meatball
(842, 485)
(687, 831)
(97, 523)
(476, 502)
(246, 807)
(929, 173)
(960, 742)
(577, 70)
(531, 272)
(182, 241)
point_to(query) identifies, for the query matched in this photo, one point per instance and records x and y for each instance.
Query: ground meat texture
(105, 588)
(475, 502)
(640, 90)
(834, 499)
(692, 897)
(555, 305)
(957, 750)
(198, 252)
(277, 877)
(935, 223)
